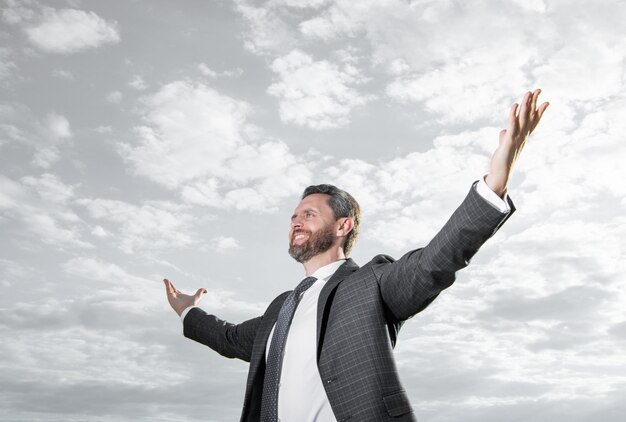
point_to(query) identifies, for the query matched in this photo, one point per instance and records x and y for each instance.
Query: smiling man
(324, 351)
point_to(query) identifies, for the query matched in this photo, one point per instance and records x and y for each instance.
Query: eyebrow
(305, 210)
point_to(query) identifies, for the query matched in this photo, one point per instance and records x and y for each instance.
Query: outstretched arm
(414, 281)
(230, 340)
(523, 119)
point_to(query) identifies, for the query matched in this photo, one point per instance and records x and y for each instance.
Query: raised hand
(523, 119)
(180, 301)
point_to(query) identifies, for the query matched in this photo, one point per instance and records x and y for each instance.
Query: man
(324, 352)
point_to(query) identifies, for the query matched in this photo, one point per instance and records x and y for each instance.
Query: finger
(512, 119)
(502, 136)
(523, 112)
(542, 108)
(200, 292)
(533, 103)
(168, 286)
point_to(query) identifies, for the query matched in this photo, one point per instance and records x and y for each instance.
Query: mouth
(299, 238)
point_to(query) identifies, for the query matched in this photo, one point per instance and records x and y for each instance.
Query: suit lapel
(342, 272)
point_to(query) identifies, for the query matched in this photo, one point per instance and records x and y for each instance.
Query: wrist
(497, 184)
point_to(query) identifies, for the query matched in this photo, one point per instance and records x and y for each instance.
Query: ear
(346, 225)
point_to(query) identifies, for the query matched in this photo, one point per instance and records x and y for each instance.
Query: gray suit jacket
(359, 314)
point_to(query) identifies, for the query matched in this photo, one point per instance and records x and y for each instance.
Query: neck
(323, 259)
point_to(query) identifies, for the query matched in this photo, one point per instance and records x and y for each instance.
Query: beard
(317, 243)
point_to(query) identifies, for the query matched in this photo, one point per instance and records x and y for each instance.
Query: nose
(296, 223)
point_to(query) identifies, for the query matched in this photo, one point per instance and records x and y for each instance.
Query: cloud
(6, 64)
(138, 83)
(43, 218)
(576, 303)
(267, 30)
(45, 136)
(63, 74)
(114, 97)
(152, 226)
(406, 200)
(58, 126)
(67, 31)
(120, 289)
(226, 244)
(316, 94)
(461, 76)
(50, 188)
(207, 71)
(55, 131)
(196, 139)
(16, 12)
(13, 273)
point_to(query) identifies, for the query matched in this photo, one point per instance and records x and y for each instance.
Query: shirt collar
(327, 271)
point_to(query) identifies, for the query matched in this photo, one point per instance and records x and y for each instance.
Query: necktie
(269, 402)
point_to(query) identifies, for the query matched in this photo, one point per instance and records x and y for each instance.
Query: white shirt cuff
(490, 196)
(184, 313)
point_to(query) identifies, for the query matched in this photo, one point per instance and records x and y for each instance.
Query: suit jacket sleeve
(230, 340)
(411, 283)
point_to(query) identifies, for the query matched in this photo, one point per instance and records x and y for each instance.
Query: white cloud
(103, 129)
(54, 131)
(13, 273)
(6, 65)
(45, 218)
(68, 31)
(16, 12)
(191, 131)
(267, 30)
(138, 83)
(11, 134)
(57, 126)
(207, 71)
(114, 97)
(153, 226)
(124, 288)
(95, 269)
(12, 194)
(50, 188)
(303, 4)
(226, 244)
(45, 157)
(63, 74)
(194, 139)
(408, 198)
(99, 231)
(317, 94)
(343, 18)
(51, 231)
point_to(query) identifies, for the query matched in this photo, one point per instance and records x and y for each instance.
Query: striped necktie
(269, 402)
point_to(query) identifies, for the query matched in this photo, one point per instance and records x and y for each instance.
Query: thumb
(200, 293)
(502, 136)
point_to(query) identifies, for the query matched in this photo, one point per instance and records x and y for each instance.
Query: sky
(149, 139)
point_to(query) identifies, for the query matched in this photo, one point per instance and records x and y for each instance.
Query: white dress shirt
(301, 397)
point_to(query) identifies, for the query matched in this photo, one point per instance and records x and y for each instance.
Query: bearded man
(324, 351)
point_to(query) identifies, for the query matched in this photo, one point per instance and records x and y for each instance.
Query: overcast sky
(149, 139)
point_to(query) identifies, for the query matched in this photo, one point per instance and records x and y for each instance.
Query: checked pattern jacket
(360, 312)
